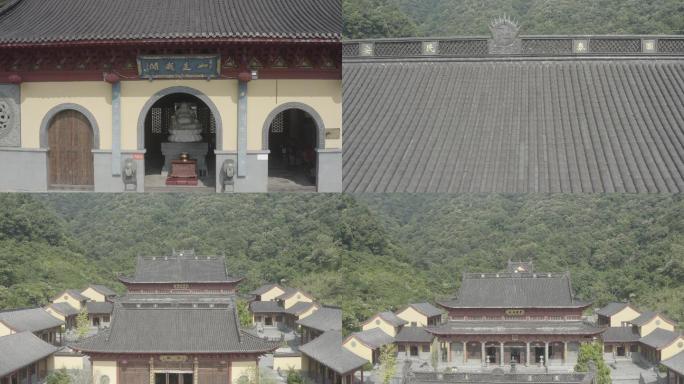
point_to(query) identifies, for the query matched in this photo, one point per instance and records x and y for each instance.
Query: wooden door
(70, 157)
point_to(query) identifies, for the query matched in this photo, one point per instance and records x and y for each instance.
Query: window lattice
(463, 47)
(404, 48)
(156, 120)
(350, 50)
(615, 46)
(547, 46)
(278, 124)
(671, 45)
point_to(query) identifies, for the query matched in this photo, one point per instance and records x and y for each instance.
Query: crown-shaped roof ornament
(504, 20)
(505, 39)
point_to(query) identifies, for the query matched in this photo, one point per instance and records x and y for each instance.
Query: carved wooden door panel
(70, 157)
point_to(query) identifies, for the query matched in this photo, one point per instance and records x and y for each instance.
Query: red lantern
(244, 76)
(112, 78)
(14, 78)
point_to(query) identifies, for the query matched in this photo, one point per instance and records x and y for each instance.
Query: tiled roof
(174, 330)
(499, 378)
(414, 335)
(540, 290)
(99, 308)
(289, 292)
(265, 288)
(659, 338)
(32, 320)
(514, 125)
(611, 309)
(181, 269)
(513, 327)
(103, 289)
(300, 308)
(675, 363)
(644, 318)
(374, 338)
(266, 307)
(620, 335)
(151, 298)
(392, 318)
(64, 309)
(426, 309)
(37, 21)
(22, 349)
(75, 293)
(327, 349)
(324, 319)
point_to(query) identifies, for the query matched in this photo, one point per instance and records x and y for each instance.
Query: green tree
(59, 377)
(243, 313)
(388, 363)
(592, 354)
(294, 377)
(82, 323)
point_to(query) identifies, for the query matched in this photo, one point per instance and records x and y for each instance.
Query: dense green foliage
(59, 376)
(471, 17)
(364, 253)
(590, 357)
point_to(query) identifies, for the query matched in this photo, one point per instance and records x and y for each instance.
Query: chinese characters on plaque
(164, 67)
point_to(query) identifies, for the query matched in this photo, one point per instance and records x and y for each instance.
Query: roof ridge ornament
(505, 36)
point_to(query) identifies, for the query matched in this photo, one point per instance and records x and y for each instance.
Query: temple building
(25, 358)
(280, 307)
(513, 113)
(516, 316)
(326, 361)
(675, 369)
(177, 324)
(227, 95)
(34, 320)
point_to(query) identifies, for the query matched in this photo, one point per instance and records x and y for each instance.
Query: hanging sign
(173, 67)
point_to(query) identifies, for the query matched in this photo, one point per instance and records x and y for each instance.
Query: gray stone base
(105, 182)
(23, 170)
(256, 180)
(329, 178)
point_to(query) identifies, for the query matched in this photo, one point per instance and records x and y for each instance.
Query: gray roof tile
(659, 338)
(32, 319)
(611, 309)
(174, 330)
(99, 308)
(265, 288)
(515, 327)
(266, 307)
(374, 338)
(414, 335)
(515, 291)
(620, 335)
(300, 308)
(22, 349)
(392, 318)
(328, 350)
(64, 308)
(103, 289)
(675, 363)
(181, 269)
(324, 319)
(37, 21)
(427, 309)
(515, 125)
(644, 318)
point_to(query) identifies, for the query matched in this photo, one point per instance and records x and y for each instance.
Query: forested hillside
(400, 18)
(365, 253)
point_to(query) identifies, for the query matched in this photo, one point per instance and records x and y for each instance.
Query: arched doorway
(163, 147)
(293, 137)
(70, 141)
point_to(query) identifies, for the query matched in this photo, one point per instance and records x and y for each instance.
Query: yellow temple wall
(672, 349)
(655, 323)
(324, 96)
(285, 363)
(359, 349)
(66, 298)
(309, 312)
(5, 330)
(625, 315)
(242, 368)
(411, 315)
(296, 298)
(66, 362)
(38, 98)
(104, 368)
(135, 94)
(94, 295)
(383, 325)
(272, 294)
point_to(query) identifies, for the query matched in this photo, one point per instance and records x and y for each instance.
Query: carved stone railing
(483, 46)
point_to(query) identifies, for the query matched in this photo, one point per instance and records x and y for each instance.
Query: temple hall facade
(227, 95)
